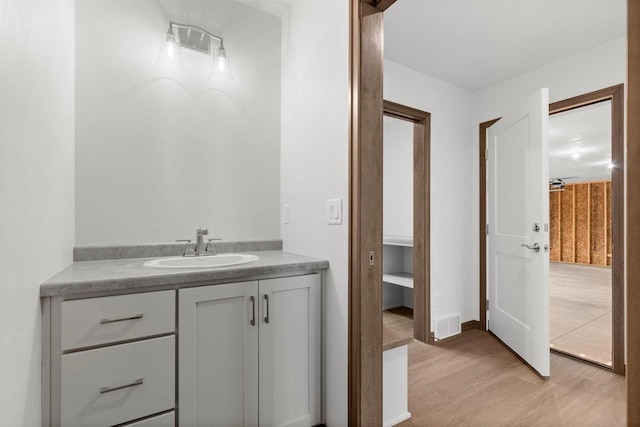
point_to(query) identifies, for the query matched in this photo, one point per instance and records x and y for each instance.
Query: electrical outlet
(436, 300)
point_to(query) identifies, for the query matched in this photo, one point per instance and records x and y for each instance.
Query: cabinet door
(290, 351)
(218, 355)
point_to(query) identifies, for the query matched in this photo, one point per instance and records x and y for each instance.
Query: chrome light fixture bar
(197, 39)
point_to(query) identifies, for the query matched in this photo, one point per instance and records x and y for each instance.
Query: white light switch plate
(334, 211)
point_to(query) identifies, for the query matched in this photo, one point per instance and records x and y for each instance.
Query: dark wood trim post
(482, 195)
(365, 219)
(633, 213)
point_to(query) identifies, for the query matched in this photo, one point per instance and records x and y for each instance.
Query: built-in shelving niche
(397, 274)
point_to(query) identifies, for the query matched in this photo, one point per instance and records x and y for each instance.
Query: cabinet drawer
(113, 385)
(164, 420)
(95, 321)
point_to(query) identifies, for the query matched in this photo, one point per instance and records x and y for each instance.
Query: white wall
(397, 202)
(36, 186)
(315, 165)
(597, 68)
(162, 151)
(451, 183)
(600, 67)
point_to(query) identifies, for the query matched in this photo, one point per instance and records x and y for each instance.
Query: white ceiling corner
(475, 44)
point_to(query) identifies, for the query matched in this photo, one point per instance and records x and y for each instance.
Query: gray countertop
(131, 274)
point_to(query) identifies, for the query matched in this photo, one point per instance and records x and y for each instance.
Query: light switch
(286, 214)
(334, 211)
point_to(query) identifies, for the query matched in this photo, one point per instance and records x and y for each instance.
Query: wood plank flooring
(400, 319)
(580, 311)
(473, 380)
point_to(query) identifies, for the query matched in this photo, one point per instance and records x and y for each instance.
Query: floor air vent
(446, 326)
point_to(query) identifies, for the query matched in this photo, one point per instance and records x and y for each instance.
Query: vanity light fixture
(170, 51)
(200, 40)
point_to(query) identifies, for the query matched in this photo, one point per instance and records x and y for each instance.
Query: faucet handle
(210, 248)
(188, 249)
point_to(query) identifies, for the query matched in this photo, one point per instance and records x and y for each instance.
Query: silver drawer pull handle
(123, 319)
(103, 390)
(253, 311)
(266, 317)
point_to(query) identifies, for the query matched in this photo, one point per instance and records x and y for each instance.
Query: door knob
(535, 246)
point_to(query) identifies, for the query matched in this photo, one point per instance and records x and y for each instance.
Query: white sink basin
(210, 261)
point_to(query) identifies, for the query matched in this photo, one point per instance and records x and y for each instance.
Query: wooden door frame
(421, 215)
(362, 371)
(615, 94)
(365, 216)
(632, 265)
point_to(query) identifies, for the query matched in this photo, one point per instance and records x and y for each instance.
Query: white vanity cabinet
(202, 353)
(110, 360)
(250, 353)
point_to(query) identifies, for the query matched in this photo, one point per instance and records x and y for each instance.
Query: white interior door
(518, 258)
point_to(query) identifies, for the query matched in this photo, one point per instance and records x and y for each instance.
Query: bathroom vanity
(128, 344)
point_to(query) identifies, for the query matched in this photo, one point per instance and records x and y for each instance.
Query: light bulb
(170, 50)
(221, 64)
(610, 165)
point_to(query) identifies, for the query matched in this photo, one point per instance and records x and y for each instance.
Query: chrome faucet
(200, 247)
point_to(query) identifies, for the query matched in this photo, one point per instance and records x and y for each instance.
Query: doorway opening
(397, 225)
(591, 234)
(405, 202)
(586, 175)
(365, 335)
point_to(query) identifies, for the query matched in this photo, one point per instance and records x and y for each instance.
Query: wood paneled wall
(580, 224)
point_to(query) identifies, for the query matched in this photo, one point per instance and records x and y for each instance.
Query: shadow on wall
(160, 152)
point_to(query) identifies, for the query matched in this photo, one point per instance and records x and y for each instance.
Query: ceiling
(584, 133)
(475, 44)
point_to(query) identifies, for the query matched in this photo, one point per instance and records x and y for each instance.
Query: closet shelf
(400, 279)
(406, 241)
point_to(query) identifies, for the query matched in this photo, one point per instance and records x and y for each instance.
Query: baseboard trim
(471, 324)
(397, 420)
